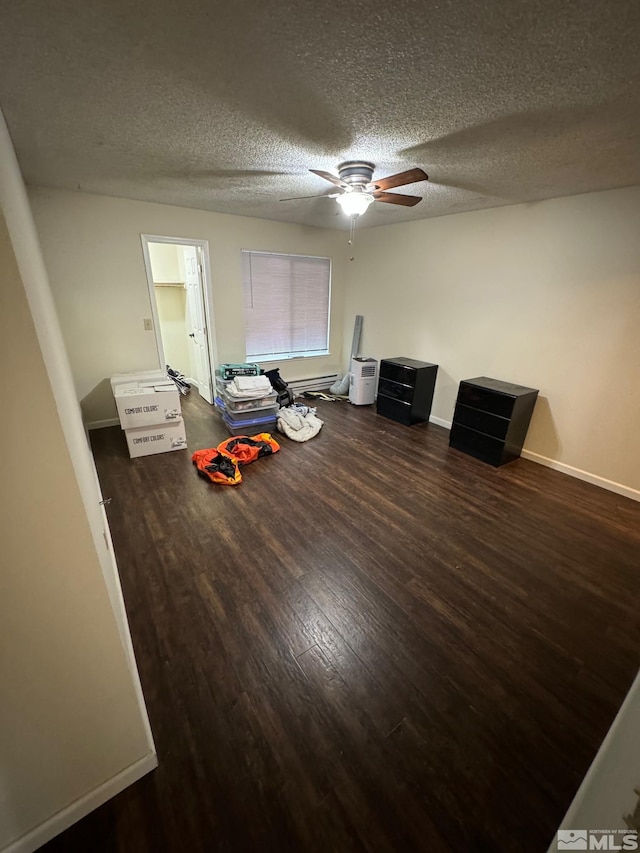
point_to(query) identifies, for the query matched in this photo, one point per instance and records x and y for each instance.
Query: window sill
(254, 360)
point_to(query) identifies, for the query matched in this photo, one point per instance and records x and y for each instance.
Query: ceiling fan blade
(411, 176)
(398, 198)
(321, 195)
(329, 177)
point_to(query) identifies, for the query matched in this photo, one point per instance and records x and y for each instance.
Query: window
(286, 305)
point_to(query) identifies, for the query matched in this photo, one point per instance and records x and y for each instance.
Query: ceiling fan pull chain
(352, 234)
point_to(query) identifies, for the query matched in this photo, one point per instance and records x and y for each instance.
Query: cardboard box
(161, 438)
(147, 405)
(148, 377)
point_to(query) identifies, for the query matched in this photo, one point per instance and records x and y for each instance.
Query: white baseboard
(80, 808)
(578, 473)
(107, 422)
(439, 422)
(315, 383)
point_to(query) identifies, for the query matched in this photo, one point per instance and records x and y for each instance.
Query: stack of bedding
(248, 404)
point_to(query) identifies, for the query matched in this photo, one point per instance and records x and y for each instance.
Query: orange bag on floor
(217, 467)
(221, 464)
(245, 449)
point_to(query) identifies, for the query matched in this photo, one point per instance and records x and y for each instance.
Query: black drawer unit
(405, 389)
(491, 419)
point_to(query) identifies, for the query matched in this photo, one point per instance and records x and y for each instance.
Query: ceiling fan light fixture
(354, 203)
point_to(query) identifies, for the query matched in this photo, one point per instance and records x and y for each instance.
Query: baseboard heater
(316, 383)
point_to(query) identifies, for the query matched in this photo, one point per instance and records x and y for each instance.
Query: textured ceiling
(225, 106)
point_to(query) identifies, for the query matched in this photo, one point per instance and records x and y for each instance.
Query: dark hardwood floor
(373, 643)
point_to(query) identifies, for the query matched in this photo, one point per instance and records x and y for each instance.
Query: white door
(199, 349)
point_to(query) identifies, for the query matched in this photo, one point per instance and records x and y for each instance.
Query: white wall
(74, 728)
(167, 265)
(544, 294)
(608, 794)
(164, 263)
(69, 715)
(172, 313)
(101, 291)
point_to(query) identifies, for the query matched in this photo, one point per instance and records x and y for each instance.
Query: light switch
(148, 324)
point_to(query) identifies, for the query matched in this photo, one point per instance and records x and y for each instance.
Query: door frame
(207, 298)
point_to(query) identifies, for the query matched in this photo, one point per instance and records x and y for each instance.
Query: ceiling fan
(358, 190)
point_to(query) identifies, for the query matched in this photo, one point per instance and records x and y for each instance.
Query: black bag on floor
(285, 394)
(178, 378)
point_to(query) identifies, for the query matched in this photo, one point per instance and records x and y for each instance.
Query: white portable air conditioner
(363, 381)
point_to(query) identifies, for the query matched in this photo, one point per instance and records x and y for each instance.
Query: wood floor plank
(374, 643)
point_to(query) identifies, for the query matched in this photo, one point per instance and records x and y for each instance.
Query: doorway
(179, 286)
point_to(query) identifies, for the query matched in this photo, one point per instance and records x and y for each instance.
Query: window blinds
(286, 305)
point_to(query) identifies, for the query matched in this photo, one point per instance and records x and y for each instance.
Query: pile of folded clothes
(248, 403)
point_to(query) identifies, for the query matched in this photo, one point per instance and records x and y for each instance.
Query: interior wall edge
(579, 474)
(607, 767)
(544, 295)
(22, 231)
(26, 246)
(74, 812)
(569, 470)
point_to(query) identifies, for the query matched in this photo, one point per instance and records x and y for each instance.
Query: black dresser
(491, 419)
(405, 389)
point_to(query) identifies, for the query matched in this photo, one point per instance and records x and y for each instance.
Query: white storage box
(141, 377)
(142, 405)
(160, 438)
